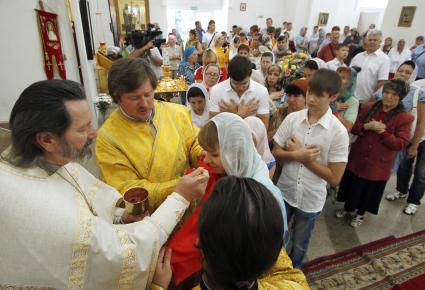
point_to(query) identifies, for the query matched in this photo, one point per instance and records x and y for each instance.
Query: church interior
(80, 40)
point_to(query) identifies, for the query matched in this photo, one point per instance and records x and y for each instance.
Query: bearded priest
(61, 228)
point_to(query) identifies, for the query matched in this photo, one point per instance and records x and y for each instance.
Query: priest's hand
(163, 273)
(127, 218)
(192, 186)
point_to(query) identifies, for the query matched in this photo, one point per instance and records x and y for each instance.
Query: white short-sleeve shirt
(207, 38)
(300, 187)
(335, 64)
(375, 67)
(224, 92)
(156, 69)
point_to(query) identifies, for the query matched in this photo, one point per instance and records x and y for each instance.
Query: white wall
(158, 13)
(21, 59)
(100, 19)
(392, 15)
(256, 13)
(341, 13)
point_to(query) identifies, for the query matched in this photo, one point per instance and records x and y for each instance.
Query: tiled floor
(332, 235)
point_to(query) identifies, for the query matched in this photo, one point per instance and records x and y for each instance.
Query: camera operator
(152, 54)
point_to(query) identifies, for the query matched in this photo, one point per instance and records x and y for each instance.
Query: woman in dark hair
(383, 128)
(248, 241)
(414, 103)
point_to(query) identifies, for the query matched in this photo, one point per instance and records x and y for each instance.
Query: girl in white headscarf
(229, 150)
(261, 142)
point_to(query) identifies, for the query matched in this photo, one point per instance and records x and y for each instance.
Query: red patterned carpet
(389, 263)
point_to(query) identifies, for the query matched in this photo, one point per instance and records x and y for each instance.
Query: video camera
(139, 38)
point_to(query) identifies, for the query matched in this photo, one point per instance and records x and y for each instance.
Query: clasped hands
(302, 153)
(376, 126)
(243, 109)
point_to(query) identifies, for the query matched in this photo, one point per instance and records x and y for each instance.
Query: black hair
(325, 81)
(267, 54)
(280, 38)
(341, 45)
(194, 92)
(293, 89)
(254, 28)
(128, 74)
(311, 64)
(40, 108)
(239, 68)
(420, 38)
(243, 47)
(240, 232)
(270, 29)
(401, 88)
(336, 28)
(410, 63)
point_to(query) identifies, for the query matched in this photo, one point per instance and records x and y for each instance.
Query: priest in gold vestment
(60, 227)
(144, 143)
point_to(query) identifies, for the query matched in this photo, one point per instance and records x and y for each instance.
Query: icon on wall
(406, 16)
(242, 7)
(323, 19)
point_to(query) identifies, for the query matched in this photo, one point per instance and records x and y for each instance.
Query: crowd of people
(245, 154)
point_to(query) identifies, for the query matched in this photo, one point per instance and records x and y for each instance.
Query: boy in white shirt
(312, 145)
(340, 56)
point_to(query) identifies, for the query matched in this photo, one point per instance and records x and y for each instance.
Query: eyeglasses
(212, 75)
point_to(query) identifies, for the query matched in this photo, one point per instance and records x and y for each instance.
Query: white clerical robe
(49, 238)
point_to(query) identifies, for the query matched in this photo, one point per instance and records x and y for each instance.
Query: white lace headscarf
(260, 134)
(240, 158)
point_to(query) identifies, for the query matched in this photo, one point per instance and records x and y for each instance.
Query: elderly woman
(229, 150)
(397, 56)
(187, 67)
(212, 73)
(383, 129)
(208, 57)
(173, 52)
(414, 102)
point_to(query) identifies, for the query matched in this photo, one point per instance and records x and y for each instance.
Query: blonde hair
(273, 67)
(208, 56)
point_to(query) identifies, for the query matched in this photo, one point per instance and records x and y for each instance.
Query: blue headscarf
(349, 91)
(188, 52)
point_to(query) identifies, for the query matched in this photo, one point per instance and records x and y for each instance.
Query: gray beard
(73, 154)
